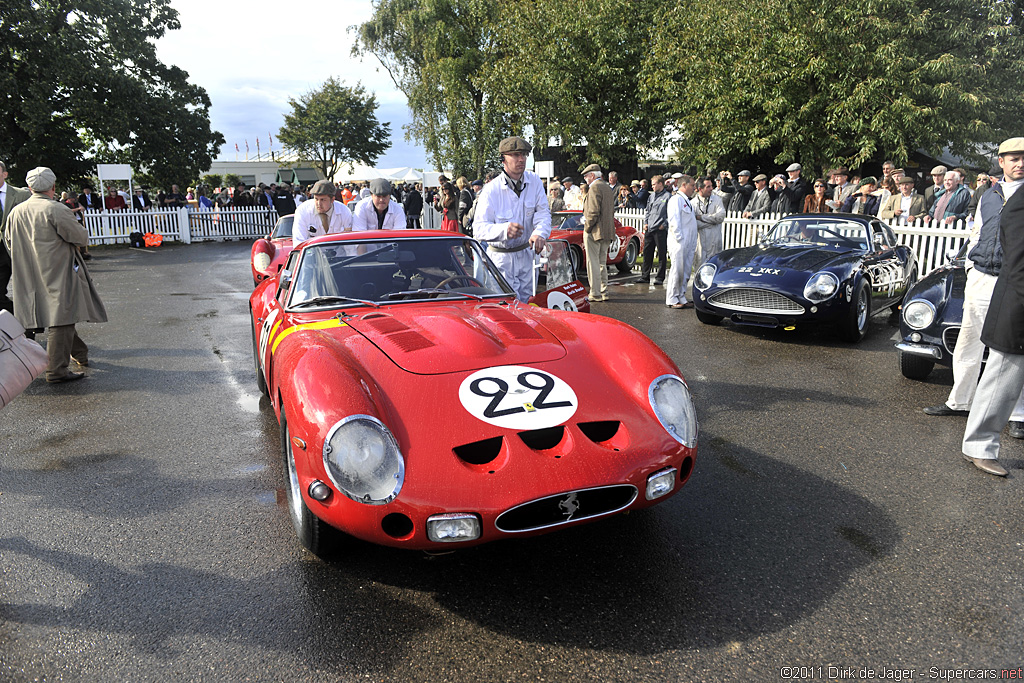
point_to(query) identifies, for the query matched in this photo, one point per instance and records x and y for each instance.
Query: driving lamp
(453, 527)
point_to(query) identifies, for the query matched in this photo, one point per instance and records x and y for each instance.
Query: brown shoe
(989, 465)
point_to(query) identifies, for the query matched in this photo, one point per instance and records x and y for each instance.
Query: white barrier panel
(183, 225)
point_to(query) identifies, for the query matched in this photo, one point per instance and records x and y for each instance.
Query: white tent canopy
(403, 174)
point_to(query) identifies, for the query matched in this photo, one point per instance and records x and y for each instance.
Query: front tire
(629, 260)
(913, 366)
(315, 535)
(576, 256)
(707, 318)
(855, 326)
(261, 382)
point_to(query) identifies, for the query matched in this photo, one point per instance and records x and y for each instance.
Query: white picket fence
(931, 245)
(184, 225)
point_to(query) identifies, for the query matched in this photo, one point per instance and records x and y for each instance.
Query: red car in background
(422, 406)
(270, 253)
(622, 253)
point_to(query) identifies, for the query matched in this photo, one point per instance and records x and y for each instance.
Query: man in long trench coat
(51, 283)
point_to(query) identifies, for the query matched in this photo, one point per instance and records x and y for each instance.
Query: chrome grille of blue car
(754, 300)
(949, 337)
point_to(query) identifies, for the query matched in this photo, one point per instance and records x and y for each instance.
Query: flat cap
(635, 182)
(743, 172)
(379, 186)
(794, 167)
(677, 176)
(480, 183)
(760, 176)
(514, 144)
(870, 180)
(593, 168)
(1013, 145)
(323, 187)
(940, 170)
(40, 179)
(841, 170)
(567, 179)
(905, 179)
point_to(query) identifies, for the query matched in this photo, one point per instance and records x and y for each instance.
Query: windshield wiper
(430, 290)
(321, 300)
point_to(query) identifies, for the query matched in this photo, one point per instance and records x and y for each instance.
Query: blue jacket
(987, 254)
(957, 203)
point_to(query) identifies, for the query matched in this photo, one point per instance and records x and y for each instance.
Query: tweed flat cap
(743, 172)
(514, 144)
(40, 179)
(940, 170)
(380, 186)
(760, 176)
(870, 180)
(593, 168)
(794, 167)
(905, 179)
(323, 187)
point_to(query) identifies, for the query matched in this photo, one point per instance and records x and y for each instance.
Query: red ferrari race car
(622, 253)
(269, 253)
(422, 406)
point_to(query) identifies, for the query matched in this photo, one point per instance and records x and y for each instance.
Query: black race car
(930, 322)
(837, 269)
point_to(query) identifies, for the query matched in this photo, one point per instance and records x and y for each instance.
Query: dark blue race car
(931, 317)
(837, 269)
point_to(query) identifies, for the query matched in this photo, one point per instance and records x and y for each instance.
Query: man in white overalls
(513, 217)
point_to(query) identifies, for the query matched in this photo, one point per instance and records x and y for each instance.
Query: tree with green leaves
(434, 51)
(81, 84)
(828, 83)
(335, 125)
(571, 69)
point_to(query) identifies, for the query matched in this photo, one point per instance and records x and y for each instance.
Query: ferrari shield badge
(518, 397)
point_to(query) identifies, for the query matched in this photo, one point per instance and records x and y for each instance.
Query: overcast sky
(252, 59)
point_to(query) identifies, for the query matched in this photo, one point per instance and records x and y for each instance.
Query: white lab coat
(682, 243)
(307, 225)
(496, 206)
(365, 216)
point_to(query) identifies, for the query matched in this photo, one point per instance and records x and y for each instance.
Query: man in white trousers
(682, 242)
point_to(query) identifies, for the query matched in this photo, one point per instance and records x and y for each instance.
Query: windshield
(374, 272)
(557, 264)
(283, 228)
(574, 222)
(824, 231)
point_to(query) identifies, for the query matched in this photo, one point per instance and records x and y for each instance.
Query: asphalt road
(828, 523)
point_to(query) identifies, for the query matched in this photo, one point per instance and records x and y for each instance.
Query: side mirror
(879, 240)
(951, 253)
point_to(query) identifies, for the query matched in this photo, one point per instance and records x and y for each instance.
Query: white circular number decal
(517, 397)
(613, 248)
(560, 301)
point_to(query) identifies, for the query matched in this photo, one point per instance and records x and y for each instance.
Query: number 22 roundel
(517, 397)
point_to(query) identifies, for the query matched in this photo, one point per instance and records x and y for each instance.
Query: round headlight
(821, 286)
(705, 274)
(919, 314)
(362, 459)
(671, 401)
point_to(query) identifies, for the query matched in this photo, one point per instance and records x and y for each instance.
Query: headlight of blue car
(362, 459)
(671, 401)
(821, 286)
(705, 274)
(919, 314)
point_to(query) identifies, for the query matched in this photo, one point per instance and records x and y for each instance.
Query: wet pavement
(828, 523)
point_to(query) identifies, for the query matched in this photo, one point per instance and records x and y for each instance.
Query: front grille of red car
(567, 507)
(753, 300)
(949, 337)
